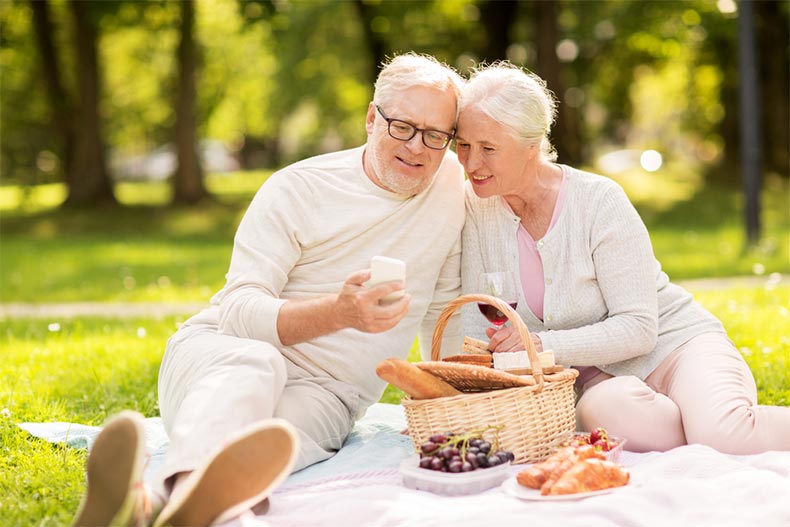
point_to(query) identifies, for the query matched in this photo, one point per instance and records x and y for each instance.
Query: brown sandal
(240, 474)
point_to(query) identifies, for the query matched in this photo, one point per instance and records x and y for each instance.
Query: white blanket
(361, 486)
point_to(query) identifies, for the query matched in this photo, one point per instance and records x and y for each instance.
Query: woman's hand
(508, 339)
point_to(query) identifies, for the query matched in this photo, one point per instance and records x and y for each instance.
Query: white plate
(511, 486)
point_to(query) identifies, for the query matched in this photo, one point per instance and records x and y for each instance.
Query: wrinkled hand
(358, 306)
(508, 339)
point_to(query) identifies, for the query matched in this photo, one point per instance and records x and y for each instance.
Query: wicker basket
(536, 418)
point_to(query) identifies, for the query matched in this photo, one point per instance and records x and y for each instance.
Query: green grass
(140, 252)
(79, 370)
(697, 231)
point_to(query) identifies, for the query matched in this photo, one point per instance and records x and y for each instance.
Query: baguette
(416, 383)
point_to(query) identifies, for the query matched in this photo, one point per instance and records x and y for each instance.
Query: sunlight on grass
(38, 198)
(83, 371)
(149, 193)
(31, 199)
(244, 183)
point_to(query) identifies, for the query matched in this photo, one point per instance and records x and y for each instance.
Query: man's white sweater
(315, 222)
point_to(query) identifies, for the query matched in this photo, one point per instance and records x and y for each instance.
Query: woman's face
(494, 160)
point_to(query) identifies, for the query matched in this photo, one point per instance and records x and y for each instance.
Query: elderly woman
(655, 367)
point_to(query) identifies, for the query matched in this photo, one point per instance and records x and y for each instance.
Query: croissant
(535, 476)
(589, 475)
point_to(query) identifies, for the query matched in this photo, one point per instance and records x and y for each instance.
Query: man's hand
(358, 307)
(355, 306)
(508, 339)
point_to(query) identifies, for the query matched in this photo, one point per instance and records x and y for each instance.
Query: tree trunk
(727, 170)
(62, 112)
(496, 17)
(751, 142)
(188, 179)
(376, 44)
(88, 181)
(773, 58)
(565, 135)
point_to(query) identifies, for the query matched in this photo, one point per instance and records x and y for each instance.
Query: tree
(188, 179)
(773, 56)
(373, 39)
(496, 18)
(566, 130)
(88, 180)
(61, 110)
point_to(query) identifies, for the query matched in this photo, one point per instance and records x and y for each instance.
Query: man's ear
(370, 118)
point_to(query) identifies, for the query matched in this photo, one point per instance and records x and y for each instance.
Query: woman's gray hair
(411, 69)
(517, 99)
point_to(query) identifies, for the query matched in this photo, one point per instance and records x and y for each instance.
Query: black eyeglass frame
(390, 120)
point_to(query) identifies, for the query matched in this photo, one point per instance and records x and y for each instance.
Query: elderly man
(271, 376)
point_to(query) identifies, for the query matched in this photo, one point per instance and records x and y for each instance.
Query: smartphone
(383, 270)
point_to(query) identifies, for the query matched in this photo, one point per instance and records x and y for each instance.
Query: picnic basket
(535, 418)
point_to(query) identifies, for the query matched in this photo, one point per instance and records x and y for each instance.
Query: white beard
(394, 182)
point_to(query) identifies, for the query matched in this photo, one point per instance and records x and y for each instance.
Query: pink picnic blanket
(689, 486)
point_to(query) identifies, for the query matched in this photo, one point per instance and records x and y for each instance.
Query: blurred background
(152, 109)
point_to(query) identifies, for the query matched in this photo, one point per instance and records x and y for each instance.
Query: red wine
(495, 316)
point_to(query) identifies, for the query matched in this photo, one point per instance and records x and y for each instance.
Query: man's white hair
(412, 69)
(517, 99)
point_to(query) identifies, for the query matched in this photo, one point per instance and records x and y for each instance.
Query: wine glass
(501, 285)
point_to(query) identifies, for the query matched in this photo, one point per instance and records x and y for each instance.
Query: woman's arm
(625, 273)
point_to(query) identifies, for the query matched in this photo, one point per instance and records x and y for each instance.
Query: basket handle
(510, 313)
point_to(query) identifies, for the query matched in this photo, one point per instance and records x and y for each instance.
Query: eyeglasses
(403, 131)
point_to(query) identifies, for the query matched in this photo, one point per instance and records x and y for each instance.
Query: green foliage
(19, 62)
(317, 46)
(139, 108)
(288, 79)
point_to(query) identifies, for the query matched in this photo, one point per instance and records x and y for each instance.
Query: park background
(134, 134)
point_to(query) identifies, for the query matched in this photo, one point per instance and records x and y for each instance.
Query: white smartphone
(383, 270)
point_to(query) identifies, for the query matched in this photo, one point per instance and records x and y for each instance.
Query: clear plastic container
(614, 453)
(451, 484)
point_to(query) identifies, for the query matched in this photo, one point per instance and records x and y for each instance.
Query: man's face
(407, 167)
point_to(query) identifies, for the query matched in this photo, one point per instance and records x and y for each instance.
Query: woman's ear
(532, 150)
